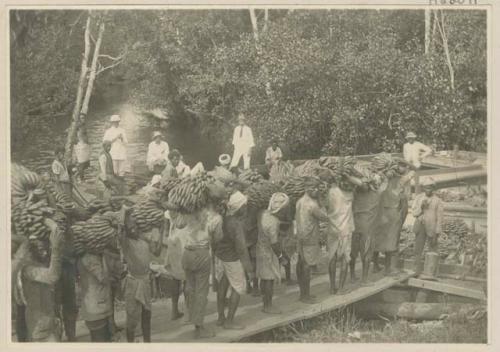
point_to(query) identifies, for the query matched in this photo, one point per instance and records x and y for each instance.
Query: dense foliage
(322, 82)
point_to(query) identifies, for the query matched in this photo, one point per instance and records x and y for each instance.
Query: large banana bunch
(386, 164)
(99, 206)
(294, 187)
(148, 215)
(167, 184)
(191, 194)
(94, 235)
(28, 218)
(309, 168)
(455, 227)
(259, 194)
(280, 171)
(250, 176)
(24, 184)
(63, 201)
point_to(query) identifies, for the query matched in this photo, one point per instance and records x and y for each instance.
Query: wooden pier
(249, 312)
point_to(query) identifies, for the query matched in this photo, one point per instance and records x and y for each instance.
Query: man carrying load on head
(308, 215)
(269, 249)
(232, 260)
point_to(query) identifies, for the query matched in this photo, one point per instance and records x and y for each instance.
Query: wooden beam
(446, 288)
(449, 170)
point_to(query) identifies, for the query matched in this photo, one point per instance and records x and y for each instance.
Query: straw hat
(157, 134)
(411, 135)
(428, 182)
(115, 118)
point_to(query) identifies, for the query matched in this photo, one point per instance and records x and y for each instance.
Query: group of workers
(242, 251)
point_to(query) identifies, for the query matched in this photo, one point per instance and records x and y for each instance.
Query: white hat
(277, 202)
(236, 201)
(157, 134)
(411, 135)
(428, 182)
(224, 159)
(115, 118)
(156, 179)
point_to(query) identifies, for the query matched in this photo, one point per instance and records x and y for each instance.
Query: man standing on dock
(232, 261)
(308, 215)
(116, 136)
(268, 251)
(243, 143)
(414, 151)
(428, 212)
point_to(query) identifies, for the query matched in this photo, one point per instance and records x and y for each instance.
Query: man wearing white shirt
(414, 151)
(157, 156)
(116, 135)
(243, 143)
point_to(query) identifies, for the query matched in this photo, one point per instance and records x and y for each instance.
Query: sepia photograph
(249, 174)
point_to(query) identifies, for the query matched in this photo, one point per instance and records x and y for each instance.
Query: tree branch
(111, 57)
(104, 68)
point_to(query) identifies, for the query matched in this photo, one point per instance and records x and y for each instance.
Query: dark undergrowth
(342, 326)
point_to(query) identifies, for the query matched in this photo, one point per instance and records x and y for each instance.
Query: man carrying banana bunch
(136, 249)
(36, 273)
(232, 260)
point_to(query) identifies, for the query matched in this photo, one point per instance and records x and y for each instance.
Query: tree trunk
(444, 39)
(75, 122)
(255, 28)
(427, 30)
(93, 73)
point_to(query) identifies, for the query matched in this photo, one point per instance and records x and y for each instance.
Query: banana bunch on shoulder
(95, 234)
(191, 194)
(148, 215)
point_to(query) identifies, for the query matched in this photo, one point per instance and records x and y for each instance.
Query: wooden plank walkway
(249, 312)
(452, 287)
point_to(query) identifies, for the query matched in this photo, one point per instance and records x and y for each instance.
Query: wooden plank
(446, 288)
(293, 310)
(448, 170)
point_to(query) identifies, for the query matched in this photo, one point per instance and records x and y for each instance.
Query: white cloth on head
(197, 169)
(236, 201)
(118, 150)
(157, 154)
(224, 159)
(277, 202)
(414, 153)
(182, 170)
(156, 179)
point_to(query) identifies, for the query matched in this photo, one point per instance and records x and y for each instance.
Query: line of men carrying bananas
(239, 228)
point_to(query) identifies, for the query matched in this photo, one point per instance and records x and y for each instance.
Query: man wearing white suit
(243, 143)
